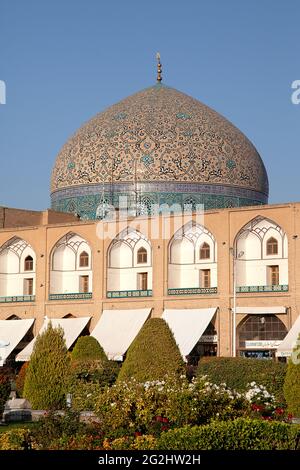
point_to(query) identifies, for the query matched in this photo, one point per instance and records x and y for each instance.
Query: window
(142, 281)
(261, 328)
(28, 286)
(28, 263)
(204, 251)
(273, 275)
(142, 255)
(272, 246)
(84, 284)
(205, 278)
(83, 260)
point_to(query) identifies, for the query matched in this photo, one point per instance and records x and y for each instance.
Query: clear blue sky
(65, 60)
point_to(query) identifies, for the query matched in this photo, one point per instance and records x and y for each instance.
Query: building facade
(159, 264)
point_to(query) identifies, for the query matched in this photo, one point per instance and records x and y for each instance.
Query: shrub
(153, 354)
(87, 348)
(4, 388)
(15, 439)
(153, 407)
(20, 380)
(240, 434)
(48, 374)
(90, 364)
(85, 395)
(292, 382)
(55, 426)
(238, 372)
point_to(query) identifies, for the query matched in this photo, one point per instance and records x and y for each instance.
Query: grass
(21, 425)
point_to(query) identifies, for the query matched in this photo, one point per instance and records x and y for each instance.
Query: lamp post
(235, 257)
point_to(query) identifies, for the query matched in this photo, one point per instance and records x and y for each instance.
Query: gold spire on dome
(159, 68)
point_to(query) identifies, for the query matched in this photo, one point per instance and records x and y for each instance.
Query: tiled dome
(161, 146)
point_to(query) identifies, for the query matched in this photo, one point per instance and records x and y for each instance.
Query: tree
(90, 363)
(87, 348)
(292, 382)
(48, 373)
(153, 354)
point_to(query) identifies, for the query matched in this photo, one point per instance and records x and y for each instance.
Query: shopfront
(258, 336)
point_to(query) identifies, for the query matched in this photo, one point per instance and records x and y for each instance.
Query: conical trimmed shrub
(291, 387)
(153, 354)
(90, 363)
(87, 348)
(48, 373)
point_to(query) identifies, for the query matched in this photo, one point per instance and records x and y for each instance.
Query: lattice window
(142, 255)
(204, 251)
(83, 259)
(272, 246)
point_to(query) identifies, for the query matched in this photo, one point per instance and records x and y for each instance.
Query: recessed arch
(16, 254)
(192, 255)
(261, 252)
(129, 262)
(71, 265)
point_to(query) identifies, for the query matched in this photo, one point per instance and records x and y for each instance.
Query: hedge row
(238, 372)
(241, 434)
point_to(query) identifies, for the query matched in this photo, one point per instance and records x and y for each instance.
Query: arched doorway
(258, 336)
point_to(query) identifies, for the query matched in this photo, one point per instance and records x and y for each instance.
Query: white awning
(188, 325)
(116, 330)
(286, 347)
(11, 333)
(72, 328)
(261, 310)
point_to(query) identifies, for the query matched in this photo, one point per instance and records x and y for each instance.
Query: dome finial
(159, 68)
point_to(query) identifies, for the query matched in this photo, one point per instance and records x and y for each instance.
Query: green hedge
(153, 354)
(292, 382)
(87, 348)
(238, 372)
(241, 434)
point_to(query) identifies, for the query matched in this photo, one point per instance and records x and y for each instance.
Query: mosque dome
(158, 146)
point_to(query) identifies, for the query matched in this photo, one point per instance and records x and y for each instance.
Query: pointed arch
(129, 264)
(196, 234)
(17, 268)
(70, 262)
(192, 255)
(126, 244)
(262, 243)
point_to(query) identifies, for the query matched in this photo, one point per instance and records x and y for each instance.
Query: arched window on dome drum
(142, 255)
(83, 259)
(272, 246)
(204, 251)
(28, 263)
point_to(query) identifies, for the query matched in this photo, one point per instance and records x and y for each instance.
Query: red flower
(164, 428)
(290, 416)
(279, 411)
(159, 419)
(165, 420)
(255, 407)
(137, 433)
